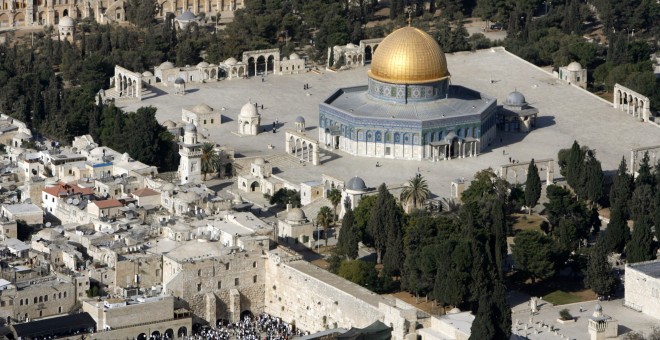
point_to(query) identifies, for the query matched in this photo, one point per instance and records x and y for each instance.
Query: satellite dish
(48, 224)
(76, 201)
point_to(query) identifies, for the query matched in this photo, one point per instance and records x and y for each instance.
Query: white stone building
(249, 120)
(642, 285)
(574, 74)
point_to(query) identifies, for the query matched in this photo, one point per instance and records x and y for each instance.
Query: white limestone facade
(642, 286)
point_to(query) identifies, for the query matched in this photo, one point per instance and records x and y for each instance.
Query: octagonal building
(409, 109)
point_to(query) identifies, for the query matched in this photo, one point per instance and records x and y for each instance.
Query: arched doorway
(169, 333)
(247, 314)
(254, 187)
(270, 64)
(142, 336)
(261, 65)
(183, 331)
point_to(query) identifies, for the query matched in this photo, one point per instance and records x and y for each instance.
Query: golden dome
(408, 56)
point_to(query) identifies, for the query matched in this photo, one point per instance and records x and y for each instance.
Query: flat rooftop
(650, 268)
(566, 113)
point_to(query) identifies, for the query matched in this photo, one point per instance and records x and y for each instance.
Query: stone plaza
(566, 113)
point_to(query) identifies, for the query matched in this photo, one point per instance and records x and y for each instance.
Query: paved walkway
(566, 113)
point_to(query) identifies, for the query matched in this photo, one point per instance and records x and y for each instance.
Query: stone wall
(643, 290)
(193, 281)
(39, 300)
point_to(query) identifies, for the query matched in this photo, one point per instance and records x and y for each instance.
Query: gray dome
(356, 183)
(179, 81)
(300, 119)
(296, 214)
(190, 127)
(515, 98)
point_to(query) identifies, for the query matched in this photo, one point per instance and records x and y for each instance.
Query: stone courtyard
(566, 113)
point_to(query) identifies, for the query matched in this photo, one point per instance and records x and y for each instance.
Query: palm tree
(324, 218)
(335, 197)
(415, 192)
(210, 159)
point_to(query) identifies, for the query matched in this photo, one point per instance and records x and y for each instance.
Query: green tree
(335, 198)
(618, 233)
(415, 193)
(347, 242)
(532, 186)
(599, 276)
(325, 218)
(641, 246)
(210, 160)
(534, 254)
(622, 188)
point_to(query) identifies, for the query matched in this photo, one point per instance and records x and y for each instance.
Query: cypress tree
(617, 232)
(599, 271)
(641, 246)
(532, 186)
(593, 179)
(347, 243)
(622, 189)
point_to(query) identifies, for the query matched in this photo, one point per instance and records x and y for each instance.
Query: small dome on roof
(186, 16)
(179, 81)
(296, 214)
(300, 119)
(356, 183)
(515, 98)
(66, 22)
(231, 61)
(202, 108)
(190, 127)
(169, 124)
(147, 74)
(166, 65)
(203, 64)
(294, 56)
(249, 110)
(259, 161)
(574, 66)
(454, 310)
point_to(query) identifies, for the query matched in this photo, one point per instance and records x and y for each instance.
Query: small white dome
(66, 22)
(574, 66)
(249, 110)
(166, 65)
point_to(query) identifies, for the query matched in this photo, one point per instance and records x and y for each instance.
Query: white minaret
(190, 150)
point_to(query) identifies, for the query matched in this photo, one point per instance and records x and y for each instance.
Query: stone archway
(183, 331)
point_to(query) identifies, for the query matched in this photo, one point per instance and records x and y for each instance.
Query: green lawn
(560, 297)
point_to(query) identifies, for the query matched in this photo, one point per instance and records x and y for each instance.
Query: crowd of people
(263, 327)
